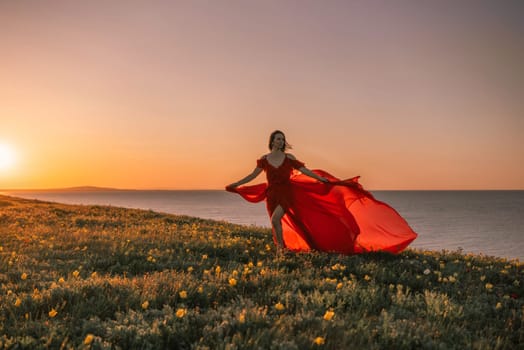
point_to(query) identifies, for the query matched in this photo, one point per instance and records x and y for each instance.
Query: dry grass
(111, 278)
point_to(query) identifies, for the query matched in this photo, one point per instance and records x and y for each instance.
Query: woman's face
(278, 141)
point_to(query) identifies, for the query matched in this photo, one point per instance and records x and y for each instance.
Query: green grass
(111, 278)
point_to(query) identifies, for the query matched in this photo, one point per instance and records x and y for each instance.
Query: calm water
(488, 222)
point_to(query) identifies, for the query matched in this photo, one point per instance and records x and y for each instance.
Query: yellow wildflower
(24, 276)
(279, 306)
(145, 305)
(232, 282)
(190, 269)
(181, 312)
(489, 286)
(36, 294)
(336, 267)
(94, 275)
(76, 273)
(183, 294)
(201, 289)
(61, 280)
(498, 306)
(329, 315)
(18, 302)
(242, 316)
(53, 313)
(367, 278)
(204, 257)
(89, 339)
(340, 285)
(319, 341)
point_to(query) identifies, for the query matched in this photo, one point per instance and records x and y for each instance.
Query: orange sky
(183, 95)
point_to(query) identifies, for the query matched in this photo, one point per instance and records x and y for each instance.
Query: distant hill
(67, 189)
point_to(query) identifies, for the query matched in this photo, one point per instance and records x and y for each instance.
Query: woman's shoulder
(295, 163)
(262, 161)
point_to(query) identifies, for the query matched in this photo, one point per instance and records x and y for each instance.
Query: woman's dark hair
(272, 138)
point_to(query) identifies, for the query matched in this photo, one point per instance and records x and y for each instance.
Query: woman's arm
(248, 178)
(309, 173)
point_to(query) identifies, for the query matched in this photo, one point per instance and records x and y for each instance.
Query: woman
(314, 210)
(279, 167)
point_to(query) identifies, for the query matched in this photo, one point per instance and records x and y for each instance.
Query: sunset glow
(7, 157)
(183, 95)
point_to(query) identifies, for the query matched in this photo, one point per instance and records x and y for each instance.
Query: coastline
(91, 274)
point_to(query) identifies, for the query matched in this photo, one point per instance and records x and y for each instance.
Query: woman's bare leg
(276, 222)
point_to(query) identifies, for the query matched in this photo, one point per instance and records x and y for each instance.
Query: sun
(7, 157)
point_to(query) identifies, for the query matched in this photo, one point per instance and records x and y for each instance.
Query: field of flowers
(96, 277)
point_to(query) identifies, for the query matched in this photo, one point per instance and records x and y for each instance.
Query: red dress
(338, 217)
(278, 191)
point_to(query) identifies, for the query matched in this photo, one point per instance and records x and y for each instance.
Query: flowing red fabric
(339, 216)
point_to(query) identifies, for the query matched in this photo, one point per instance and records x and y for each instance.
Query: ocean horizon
(488, 222)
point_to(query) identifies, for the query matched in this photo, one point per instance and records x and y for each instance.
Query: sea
(480, 222)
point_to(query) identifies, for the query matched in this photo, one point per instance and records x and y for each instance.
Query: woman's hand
(323, 180)
(232, 187)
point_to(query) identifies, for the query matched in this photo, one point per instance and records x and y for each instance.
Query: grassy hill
(104, 277)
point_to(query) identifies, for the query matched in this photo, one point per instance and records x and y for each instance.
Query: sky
(410, 95)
